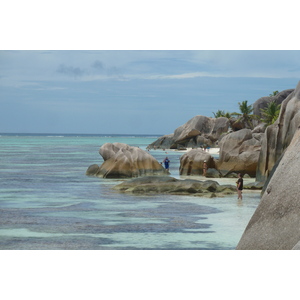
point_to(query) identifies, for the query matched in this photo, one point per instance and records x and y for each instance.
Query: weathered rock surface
(191, 163)
(213, 173)
(92, 170)
(263, 102)
(253, 186)
(260, 128)
(278, 136)
(239, 152)
(196, 132)
(297, 246)
(170, 185)
(236, 125)
(275, 223)
(163, 142)
(124, 161)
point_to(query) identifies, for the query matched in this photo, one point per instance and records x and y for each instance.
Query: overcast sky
(127, 92)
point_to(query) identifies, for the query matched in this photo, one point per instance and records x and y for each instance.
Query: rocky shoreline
(254, 149)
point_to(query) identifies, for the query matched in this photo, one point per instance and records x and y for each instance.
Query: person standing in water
(204, 168)
(240, 186)
(166, 162)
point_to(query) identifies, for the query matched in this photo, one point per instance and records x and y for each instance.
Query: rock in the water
(213, 173)
(253, 186)
(239, 152)
(124, 161)
(191, 163)
(163, 142)
(170, 185)
(92, 170)
(275, 223)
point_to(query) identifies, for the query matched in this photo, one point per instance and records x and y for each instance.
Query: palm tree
(270, 113)
(274, 93)
(245, 116)
(221, 113)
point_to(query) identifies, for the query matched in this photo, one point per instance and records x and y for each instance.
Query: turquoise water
(47, 201)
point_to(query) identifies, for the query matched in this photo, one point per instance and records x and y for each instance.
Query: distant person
(166, 162)
(204, 168)
(240, 186)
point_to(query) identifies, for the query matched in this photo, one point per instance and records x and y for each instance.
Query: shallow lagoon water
(47, 202)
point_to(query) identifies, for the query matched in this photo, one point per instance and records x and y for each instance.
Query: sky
(133, 91)
(138, 67)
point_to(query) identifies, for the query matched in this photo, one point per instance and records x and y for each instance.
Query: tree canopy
(222, 113)
(274, 93)
(270, 113)
(245, 116)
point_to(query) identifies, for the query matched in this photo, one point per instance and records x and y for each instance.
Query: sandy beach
(210, 151)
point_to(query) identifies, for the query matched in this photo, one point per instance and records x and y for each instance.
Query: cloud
(70, 71)
(201, 74)
(181, 76)
(109, 71)
(54, 88)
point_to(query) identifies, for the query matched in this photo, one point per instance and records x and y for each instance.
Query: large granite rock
(239, 152)
(197, 132)
(278, 136)
(275, 223)
(191, 163)
(163, 142)
(170, 185)
(297, 246)
(124, 161)
(235, 124)
(263, 102)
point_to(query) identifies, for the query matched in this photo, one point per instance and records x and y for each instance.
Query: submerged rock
(170, 185)
(253, 185)
(124, 161)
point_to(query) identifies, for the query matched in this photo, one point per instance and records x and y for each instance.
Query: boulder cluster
(271, 154)
(199, 131)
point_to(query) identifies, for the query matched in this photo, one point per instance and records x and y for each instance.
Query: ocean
(48, 203)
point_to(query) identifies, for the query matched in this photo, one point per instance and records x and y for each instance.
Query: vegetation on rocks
(270, 113)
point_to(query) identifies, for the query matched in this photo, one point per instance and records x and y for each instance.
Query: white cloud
(26, 68)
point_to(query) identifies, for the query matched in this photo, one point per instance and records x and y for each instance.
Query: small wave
(52, 136)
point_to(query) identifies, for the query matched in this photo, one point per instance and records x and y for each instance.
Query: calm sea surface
(47, 201)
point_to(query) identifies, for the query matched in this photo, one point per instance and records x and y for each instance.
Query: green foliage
(274, 93)
(245, 116)
(270, 113)
(222, 113)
